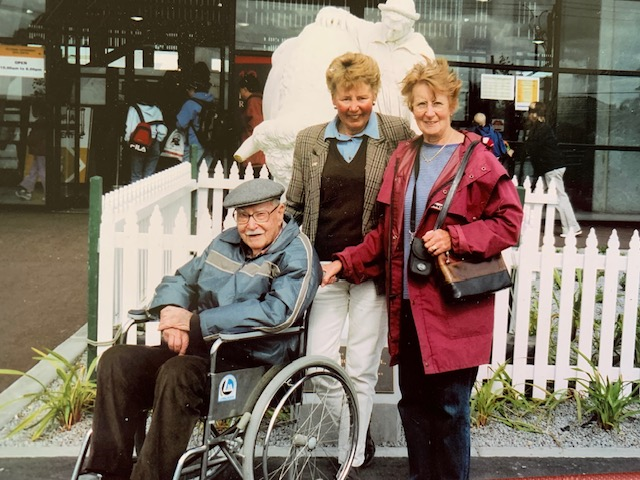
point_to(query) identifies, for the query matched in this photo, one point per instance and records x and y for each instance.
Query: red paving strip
(599, 476)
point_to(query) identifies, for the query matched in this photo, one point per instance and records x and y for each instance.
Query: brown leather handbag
(463, 279)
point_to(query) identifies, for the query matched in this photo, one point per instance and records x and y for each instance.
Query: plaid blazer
(309, 157)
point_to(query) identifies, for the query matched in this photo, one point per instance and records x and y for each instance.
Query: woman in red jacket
(437, 345)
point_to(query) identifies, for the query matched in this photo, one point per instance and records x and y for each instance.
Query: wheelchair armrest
(139, 315)
(258, 334)
(236, 337)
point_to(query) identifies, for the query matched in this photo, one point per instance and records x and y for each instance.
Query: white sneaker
(23, 193)
(564, 235)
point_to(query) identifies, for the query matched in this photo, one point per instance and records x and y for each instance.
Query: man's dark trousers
(131, 380)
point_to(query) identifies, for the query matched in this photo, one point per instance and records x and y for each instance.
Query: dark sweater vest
(341, 201)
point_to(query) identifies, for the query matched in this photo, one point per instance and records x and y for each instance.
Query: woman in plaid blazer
(337, 171)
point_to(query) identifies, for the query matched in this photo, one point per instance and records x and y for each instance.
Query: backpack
(141, 138)
(207, 121)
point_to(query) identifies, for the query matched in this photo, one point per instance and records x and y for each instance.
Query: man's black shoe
(369, 450)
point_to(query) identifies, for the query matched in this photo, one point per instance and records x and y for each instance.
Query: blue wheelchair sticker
(227, 389)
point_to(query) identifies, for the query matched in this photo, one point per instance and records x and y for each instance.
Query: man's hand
(176, 340)
(174, 317)
(333, 17)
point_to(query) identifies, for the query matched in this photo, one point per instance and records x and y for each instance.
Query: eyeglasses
(242, 218)
(422, 107)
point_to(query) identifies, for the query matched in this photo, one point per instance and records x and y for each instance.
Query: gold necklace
(429, 160)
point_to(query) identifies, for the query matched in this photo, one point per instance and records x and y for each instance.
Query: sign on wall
(21, 61)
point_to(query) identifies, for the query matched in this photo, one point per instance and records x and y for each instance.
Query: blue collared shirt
(348, 145)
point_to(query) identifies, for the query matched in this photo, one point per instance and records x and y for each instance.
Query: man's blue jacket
(233, 293)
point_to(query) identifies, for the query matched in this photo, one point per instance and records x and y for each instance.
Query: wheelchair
(266, 422)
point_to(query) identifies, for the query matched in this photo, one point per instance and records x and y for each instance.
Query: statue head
(398, 18)
(406, 8)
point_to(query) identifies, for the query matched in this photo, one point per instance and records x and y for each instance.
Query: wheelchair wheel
(304, 425)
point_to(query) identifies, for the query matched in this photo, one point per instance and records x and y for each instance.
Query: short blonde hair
(437, 75)
(350, 69)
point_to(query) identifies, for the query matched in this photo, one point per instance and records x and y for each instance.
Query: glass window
(595, 34)
(18, 15)
(598, 109)
(619, 35)
(499, 31)
(615, 190)
(264, 26)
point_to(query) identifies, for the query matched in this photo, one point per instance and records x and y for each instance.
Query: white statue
(296, 95)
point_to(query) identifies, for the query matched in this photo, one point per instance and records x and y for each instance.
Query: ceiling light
(136, 18)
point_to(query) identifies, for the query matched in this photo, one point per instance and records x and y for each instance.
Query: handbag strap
(454, 185)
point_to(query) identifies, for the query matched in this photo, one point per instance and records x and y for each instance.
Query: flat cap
(253, 192)
(406, 8)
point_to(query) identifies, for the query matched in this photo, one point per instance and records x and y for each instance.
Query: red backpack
(141, 138)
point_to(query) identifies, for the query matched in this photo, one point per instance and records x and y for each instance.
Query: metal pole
(95, 214)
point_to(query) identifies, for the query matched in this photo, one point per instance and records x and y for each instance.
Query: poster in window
(527, 91)
(496, 87)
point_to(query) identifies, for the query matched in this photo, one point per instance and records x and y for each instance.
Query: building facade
(78, 60)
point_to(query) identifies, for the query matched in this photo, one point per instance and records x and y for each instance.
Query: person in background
(437, 345)
(189, 117)
(251, 115)
(143, 164)
(485, 130)
(37, 145)
(274, 278)
(546, 158)
(337, 172)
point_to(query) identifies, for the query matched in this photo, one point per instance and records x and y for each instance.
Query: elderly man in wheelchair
(253, 281)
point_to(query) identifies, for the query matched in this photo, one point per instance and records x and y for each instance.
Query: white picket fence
(148, 230)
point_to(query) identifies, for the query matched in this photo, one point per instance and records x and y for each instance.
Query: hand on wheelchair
(175, 317)
(174, 325)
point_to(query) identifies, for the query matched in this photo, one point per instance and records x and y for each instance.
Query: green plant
(497, 399)
(533, 311)
(65, 402)
(607, 401)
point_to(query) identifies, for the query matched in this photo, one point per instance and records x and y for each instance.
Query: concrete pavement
(59, 467)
